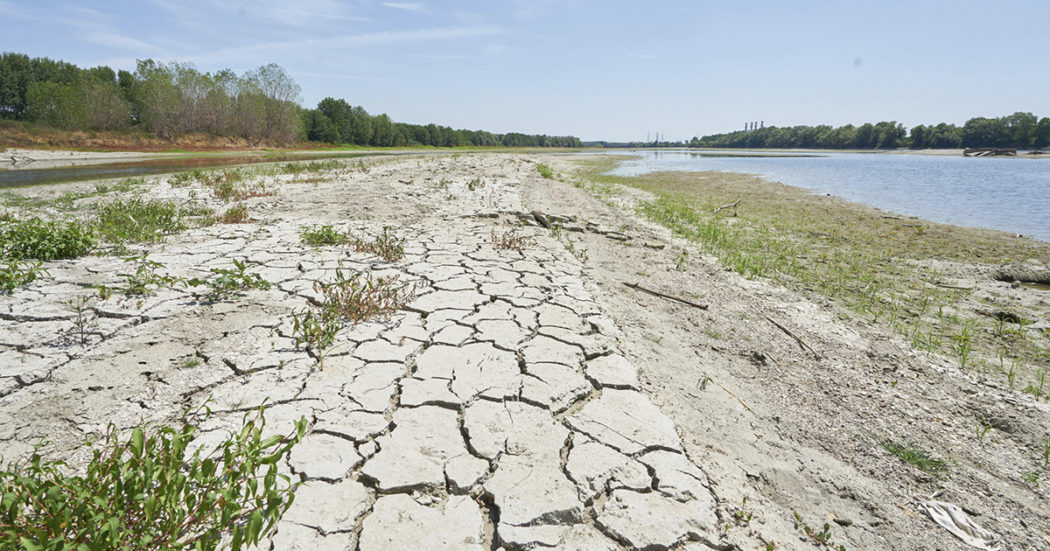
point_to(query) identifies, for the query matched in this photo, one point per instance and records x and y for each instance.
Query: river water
(1010, 194)
(27, 175)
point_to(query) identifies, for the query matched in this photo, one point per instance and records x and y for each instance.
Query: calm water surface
(26, 175)
(999, 193)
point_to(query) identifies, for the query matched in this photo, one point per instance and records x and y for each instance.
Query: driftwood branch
(801, 343)
(732, 205)
(662, 295)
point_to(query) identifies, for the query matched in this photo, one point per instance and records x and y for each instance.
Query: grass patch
(912, 453)
(881, 267)
(545, 171)
(227, 282)
(317, 236)
(34, 238)
(137, 220)
(148, 491)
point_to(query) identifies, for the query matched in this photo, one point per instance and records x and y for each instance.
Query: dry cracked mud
(524, 398)
(494, 410)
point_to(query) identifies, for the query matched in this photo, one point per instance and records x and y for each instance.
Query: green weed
(34, 238)
(912, 453)
(138, 221)
(545, 171)
(150, 492)
(358, 297)
(386, 246)
(227, 282)
(317, 236)
(17, 273)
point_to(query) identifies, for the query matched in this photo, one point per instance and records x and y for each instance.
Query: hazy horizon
(616, 71)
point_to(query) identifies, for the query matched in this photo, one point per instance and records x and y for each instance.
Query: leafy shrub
(137, 220)
(150, 493)
(545, 171)
(44, 240)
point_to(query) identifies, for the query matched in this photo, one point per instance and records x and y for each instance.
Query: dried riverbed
(524, 398)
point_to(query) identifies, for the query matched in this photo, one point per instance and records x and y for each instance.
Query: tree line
(1019, 130)
(168, 99)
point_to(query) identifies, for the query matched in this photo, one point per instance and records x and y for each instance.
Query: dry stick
(702, 383)
(801, 343)
(729, 206)
(668, 297)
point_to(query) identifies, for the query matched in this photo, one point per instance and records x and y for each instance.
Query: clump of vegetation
(312, 166)
(386, 246)
(16, 273)
(316, 329)
(545, 171)
(360, 297)
(34, 238)
(349, 298)
(137, 220)
(511, 240)
(912, 453)
(237, 214)
(821, 537)
(146, 278)
(318, 236)
(149, 492)
(230, 281)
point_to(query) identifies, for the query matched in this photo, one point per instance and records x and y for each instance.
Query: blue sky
(614, 69)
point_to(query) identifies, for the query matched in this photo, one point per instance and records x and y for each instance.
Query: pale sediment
(495, 410)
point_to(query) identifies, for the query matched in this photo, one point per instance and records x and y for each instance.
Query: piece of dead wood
(732, 205)
(662, 295)
(801, 343)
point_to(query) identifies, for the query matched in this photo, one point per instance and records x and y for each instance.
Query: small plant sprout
(981, 426)
(680, 260)
(85, 319)
(912, 453)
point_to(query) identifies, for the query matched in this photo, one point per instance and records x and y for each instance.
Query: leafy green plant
(317, 236)
(386, 246)
(229, 281)
(44, 240)
(312, 166)
(145, 278)
(149, 492)
(912, 453)
(545, 171)
(136, 220)
(360, 297)
(16, 273)
(315, 328)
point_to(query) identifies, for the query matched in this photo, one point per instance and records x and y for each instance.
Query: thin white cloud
(114, 40)
(418, 7)
(266, 50)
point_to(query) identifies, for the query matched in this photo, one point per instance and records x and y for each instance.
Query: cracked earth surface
(495, 410)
